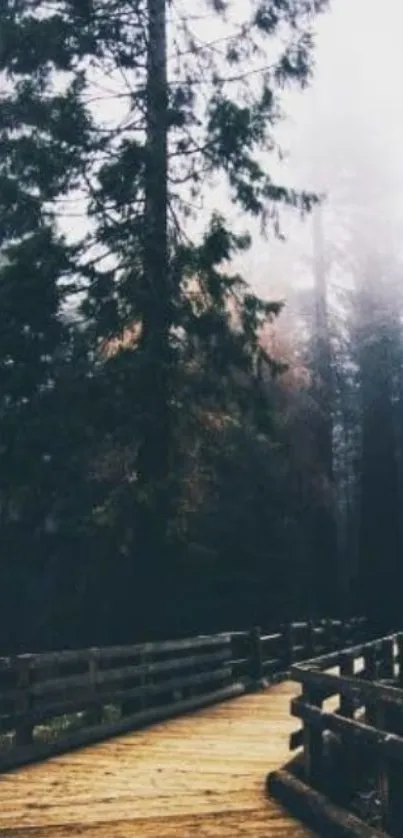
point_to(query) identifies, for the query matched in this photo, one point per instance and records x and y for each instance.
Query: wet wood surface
(199, 776)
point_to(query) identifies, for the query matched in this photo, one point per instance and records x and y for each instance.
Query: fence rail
(353, 746)
(53, 701)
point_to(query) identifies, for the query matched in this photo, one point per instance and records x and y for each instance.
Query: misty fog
(349, 119)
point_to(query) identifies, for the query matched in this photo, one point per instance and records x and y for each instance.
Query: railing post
(399, 640)
(146, 679)
(24, 728)
(393, 723)
(346, 633)
(387, 659)
(313, 741)
(255, 655)
(337, 633)
(311, 638)
(94, 716)
(353, 632)
(329, 635)
(371, 673)
(349, 752)
(370, 662)
(346, 671)
(288, 639)
(382, 769)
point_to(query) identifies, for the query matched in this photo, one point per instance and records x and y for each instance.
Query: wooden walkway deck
(199, 776)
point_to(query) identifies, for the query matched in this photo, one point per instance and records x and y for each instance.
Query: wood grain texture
(199, 776)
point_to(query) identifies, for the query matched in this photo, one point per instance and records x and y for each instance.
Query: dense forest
(177, 454)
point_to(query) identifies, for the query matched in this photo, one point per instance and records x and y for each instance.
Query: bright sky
(355, 97)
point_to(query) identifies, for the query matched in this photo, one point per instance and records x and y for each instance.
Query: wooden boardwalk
(199, 776)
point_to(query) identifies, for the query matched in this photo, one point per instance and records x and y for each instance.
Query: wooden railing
(54, 701)
(351, 709)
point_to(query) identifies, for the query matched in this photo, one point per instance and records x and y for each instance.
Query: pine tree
(94, 116)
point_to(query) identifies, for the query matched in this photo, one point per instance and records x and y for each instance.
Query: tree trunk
(380, 528)
(156, 431)
(323, 355)
(327, 582)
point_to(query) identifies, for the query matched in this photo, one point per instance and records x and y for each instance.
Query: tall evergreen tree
(95, 115)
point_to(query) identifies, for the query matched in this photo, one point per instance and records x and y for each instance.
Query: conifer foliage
(119, 332)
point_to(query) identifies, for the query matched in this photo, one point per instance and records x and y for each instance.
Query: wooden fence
(351, 709)
(55, 701)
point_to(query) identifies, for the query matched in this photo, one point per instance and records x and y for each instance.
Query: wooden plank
(198, 775)
(85, 702)
(271, 638)
(238, 662)
(355, 687)
(51, 709)
(316, 810)
(233, 824)
(43, 659)
(42, 750)
(332, 658)
(329, 658)
(113, 675)
(390, 743)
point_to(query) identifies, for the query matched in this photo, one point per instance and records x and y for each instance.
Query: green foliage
(76, 391)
